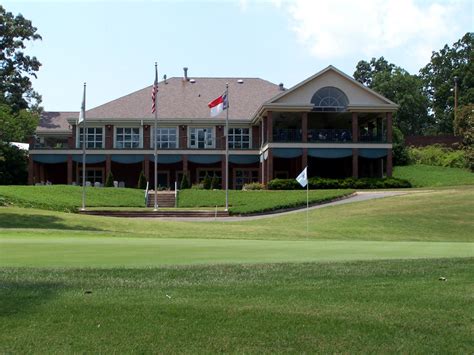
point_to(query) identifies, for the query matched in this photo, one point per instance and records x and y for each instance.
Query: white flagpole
(84, 144)
(307, 202)
(227, 149)
(154, 138)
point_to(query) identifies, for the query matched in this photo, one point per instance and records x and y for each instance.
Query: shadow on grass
(17, 220)
(22, 296)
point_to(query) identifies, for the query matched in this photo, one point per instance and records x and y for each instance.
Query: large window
(330, 98)
(201, 174)
(201, 138)
(166, 138)
(245, 176)
(95, 137)
(127, 137)
(239, 138)
(93, 175)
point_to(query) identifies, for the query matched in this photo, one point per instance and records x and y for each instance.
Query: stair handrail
(176, 194)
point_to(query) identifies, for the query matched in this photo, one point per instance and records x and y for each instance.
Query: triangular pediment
(357, 94)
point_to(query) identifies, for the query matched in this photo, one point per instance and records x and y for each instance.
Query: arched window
(329, 98)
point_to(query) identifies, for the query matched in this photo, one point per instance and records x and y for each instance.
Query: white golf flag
(303, 177)
(82, 113)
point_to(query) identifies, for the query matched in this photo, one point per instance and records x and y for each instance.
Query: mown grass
(357, 307)
(248, 202)
(69, 198)
(438, 215)
(433, 176)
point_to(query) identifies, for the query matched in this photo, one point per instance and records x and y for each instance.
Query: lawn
(357, 307)
(432, 176)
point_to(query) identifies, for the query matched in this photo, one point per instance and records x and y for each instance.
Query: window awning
(330, 153)
(90, 158)
(375, 153)
(244, 159)
(287, 152)
(204, 159)
(49, 158)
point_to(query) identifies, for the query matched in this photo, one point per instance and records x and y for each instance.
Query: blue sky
(112, 45)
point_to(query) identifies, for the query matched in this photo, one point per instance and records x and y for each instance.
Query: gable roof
(337, 71)
(55, 122)
(180, 99)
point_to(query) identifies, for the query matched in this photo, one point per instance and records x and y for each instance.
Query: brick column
(269, 127)
(220, 137)
(355, 127)
(270, 165)
(304, 127)
(355, 163)
(31, 171)
(185, 168)
(304, 158)
(108, 165)
(389, 163)
(255, 143)
(146, 163)
(109, 136)
(69, 169)
(146, 137)
(389, 127)
(183, 137)
(73, 138)
(41, 172)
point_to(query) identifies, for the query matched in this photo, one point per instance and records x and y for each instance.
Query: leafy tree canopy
(401, 87)
(16, 126)
(438, 79)
(16, 67)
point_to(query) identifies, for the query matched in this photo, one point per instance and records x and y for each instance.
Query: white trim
(147, 151)
(140, 133)
(152, 136)
(327, 145)
(78, 130)
(213, 128)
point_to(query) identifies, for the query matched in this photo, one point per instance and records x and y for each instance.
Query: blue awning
(287, 152)
(49, 158)
(127, 158)
(330, 153)
(204, 159)
(375, 153)
(90, 158)
(244, 159)
(166, 158)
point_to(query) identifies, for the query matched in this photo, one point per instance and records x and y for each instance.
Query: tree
(214, 182)
(184, 182)
(16, 67)
(206, 182)
(110, 180)
(399, 86)
(16, 126)
(438, 79)
(464, 127)
(142, 181)
(13, 165)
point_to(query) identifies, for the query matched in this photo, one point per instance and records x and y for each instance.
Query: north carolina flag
(218, 105)
(303, 177)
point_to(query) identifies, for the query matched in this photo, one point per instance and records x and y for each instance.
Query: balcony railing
(372, 138)
(330, 135)
(286, 135)
(49, 146)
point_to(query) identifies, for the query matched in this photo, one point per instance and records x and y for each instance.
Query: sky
(112, 45)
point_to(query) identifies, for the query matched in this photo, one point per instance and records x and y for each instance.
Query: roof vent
(282, 88)
(240, 81)
(192, 81)
(164, 78)
(185, 69)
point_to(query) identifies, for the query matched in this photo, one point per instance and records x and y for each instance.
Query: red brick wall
(422, 141)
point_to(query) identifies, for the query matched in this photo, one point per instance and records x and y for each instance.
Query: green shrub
(215, 182)
(318, 183)
(142, 181)
(13, 165)
(253, 186)
(198, 186)
(110, 180)
(438, 155)
(184, 183)
(206, 182)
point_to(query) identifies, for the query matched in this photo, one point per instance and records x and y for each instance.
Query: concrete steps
(158, 214)
(165, 199)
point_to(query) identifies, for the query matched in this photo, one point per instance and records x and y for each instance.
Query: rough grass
(256, 201)
(434, 176)
(69, 198)
(356, 307)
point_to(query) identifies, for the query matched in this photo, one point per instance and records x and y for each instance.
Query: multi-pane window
(92, 176)
(201, 138)
(166, 138)
(95, 137)
(243, 177)
(127, 137)
(201, 174)
(239, 138)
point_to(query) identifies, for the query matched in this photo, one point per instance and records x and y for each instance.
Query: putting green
(138, 252)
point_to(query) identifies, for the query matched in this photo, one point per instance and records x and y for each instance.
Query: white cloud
(339, 28)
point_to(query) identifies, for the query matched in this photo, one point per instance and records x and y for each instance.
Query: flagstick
(227, 149)
(155, 140)
(307, 207)
(84, 143)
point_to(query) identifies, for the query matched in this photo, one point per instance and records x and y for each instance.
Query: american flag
(154, 91)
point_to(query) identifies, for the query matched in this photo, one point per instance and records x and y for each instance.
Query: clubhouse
(328, 122)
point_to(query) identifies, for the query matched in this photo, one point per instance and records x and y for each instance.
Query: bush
(198, 186)
(253, 186)
(206, 182)
(142, 181)
(110, 180)
(349, 183)
(438, 155)
(184, 183)
(215, 182)
(399, 150)
(13, 165)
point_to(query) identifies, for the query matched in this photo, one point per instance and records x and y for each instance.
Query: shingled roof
(55, 122)
(180, 99)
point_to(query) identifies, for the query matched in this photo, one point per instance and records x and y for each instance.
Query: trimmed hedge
(348, 183)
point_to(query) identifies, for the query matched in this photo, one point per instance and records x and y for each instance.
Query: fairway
(128, 252)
